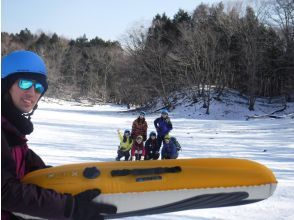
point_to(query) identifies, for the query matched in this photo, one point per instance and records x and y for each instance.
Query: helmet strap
(28, 115)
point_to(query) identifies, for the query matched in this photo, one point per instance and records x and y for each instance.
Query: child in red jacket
(138, 149)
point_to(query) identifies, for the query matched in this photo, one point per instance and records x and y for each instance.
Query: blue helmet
(22, 61)
(22, 64)
(143, 113)
(164, 111)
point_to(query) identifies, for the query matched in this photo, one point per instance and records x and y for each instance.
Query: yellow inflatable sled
(152, 187)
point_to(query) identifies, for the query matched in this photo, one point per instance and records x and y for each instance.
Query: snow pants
(151, 155)
(121, 154)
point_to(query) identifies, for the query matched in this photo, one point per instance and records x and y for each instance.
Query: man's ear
(6, 96)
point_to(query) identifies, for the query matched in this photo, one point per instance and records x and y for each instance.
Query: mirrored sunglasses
(26, 84)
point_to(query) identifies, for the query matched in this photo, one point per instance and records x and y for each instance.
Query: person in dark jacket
(151, 148)
(24, 82)
(163, 126)
(170, 148)
(139, 127)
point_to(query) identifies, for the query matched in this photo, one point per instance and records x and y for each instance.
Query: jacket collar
(11, 131)
(14, 116)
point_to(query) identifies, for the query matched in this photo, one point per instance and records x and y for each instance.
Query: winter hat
(143, 113)
(167, 137)
(127, 131)
(139, 137)
(164, 111)
(152, 133)
(22, 64)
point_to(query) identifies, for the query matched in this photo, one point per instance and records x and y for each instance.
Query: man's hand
(86, 209)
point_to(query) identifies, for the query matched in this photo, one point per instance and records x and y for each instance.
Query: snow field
(68, 133)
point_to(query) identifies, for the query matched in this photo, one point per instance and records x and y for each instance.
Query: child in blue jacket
(170, 149)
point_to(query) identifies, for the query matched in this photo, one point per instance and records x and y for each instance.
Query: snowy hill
(231, 106)
(68, 132)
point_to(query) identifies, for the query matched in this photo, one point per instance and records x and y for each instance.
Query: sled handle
(91, 172)
(147, 171)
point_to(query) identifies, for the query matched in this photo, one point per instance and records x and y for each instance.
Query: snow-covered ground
(68, 133)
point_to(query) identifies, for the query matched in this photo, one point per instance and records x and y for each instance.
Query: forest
(211, 49)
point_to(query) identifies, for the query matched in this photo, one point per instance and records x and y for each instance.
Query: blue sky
(107, 19)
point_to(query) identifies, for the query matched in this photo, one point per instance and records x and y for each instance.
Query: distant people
(125, 145)
(138, 150)
(140, 127)
(171, 148)
(151, 147)
(163, 126)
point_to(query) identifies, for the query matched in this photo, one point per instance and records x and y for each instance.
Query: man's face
(127, 134)
(153, 137)
(166, 141)
(24, 100)
(164, 115)
(139, 140)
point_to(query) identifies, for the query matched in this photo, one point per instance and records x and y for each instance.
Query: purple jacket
(169, 151)
(16, 161)
(163, 126)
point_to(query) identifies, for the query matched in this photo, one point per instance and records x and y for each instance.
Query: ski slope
(68, 133)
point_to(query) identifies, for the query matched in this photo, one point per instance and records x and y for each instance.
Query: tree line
(210, 49)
